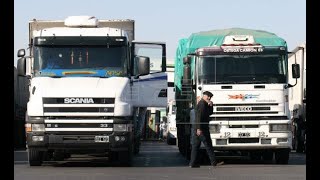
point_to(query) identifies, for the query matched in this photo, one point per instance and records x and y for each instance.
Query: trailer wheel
(35, 157)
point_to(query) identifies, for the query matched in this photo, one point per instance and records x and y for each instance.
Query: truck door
(150, 90)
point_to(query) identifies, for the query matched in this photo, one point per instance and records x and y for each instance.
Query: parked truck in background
(89, 83)
(171, 107)
(247, 72)
(297, 98)
(171, 125)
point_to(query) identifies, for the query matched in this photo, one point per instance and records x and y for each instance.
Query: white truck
(297, 98)
(247, 72)
(89, 83)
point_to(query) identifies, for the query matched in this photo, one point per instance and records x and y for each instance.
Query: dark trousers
(206, 140)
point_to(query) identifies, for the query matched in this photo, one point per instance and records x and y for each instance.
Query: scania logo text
(243, 108)
(78, 101)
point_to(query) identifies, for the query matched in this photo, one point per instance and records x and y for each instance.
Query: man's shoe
(217, 163)
(194, 166)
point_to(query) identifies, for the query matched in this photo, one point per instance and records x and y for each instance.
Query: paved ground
(159, 161)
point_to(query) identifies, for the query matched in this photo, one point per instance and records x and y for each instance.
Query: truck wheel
(58, 156)
(171, 141)
(168, 140)
(255, 155)
(35, 157)
(299, 145)
(125, 158)
(188, 153)
(267, 155)
(282, 156)
(300, 142)
(136, 146)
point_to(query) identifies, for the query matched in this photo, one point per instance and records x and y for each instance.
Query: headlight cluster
(279, 127)
(35, 127)
(214, 128)
(120, 127)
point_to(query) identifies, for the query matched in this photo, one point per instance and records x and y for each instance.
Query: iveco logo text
(78, 100)
(243, 108)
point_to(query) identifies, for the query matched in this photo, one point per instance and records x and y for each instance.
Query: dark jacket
(203, 111)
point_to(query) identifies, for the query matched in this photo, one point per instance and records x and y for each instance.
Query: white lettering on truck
(78, 100)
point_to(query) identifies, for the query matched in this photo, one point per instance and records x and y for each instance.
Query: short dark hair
(208, 93)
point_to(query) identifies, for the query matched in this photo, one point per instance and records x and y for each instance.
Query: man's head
(207, 95)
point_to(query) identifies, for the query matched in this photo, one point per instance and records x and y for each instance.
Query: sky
(170, 20)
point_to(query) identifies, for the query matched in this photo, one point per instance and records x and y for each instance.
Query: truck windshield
(242, 69)
(96, 61)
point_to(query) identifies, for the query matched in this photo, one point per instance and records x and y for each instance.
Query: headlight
(279, 127)
(120, 127)
(214, 128)
(36, 119)
(37, 127)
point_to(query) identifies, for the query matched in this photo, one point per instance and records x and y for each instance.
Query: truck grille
(78, 106)
(78, 109)
(243, 140)
(248, 109)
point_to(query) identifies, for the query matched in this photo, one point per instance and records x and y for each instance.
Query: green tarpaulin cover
(216, 38)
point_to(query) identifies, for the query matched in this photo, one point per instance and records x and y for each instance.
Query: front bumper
(258, 136)
(81, 141)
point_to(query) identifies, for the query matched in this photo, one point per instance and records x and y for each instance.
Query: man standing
(201, 130)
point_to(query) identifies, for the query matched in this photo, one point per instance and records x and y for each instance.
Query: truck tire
(58, 155)
(168, 139)
(125, 158)
(35, 157)
(255, 155)
(171, 141)
(267, 155)
(136, 146)
(282, 156)
(299, 145)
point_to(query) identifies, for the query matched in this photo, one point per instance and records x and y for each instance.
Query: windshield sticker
(244, 96)
(79, 73)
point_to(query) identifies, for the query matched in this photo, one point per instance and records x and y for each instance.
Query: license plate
(101, 139)
(243, 134)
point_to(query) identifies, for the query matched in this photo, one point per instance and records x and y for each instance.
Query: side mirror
(142, 65)
(21, 67)
(296, 71)
(21, 53)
